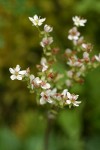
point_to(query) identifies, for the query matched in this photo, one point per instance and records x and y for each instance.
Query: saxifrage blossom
(78, 21)
(47, 28)
(16, 73)
(36, 20)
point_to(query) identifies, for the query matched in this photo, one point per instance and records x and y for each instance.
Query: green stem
(50, 119)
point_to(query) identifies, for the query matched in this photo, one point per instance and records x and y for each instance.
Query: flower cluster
(77, 58)
(64, 98)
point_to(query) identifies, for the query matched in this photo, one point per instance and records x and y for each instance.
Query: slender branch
(50, 118)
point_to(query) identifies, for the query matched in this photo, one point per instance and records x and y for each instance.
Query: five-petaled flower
(16, 73)
(47, 28)
(36, 20)
(73, 34)
(72, 100)
(48, 96)
(78, 21)
(46, 41)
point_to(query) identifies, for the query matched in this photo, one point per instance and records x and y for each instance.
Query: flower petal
(68, 102)
(69, 95)
(22, 72)
(17, 69)
(12, 70)
(13, 77)
(42, 101)
(46, 86)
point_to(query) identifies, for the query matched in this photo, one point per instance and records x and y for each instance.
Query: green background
(22, 122)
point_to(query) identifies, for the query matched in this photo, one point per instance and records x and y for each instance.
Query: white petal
(76, 103)
(37, 80)
(64, 93)
(44, 68)
(53, 92)
(42, 101)
(70, 37)
(36, 17)
(17, 69)
(68, 102)
(11, 70)
(22, 72)
(31, 19)
(42, 93)
(39, 23)
(75, 97)
(13, 77)
(43, 61)
(69, 95)
(50, 100)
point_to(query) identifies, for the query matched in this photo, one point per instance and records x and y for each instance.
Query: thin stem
(50, 119)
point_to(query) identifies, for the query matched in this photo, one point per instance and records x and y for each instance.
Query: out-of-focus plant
(50, 86)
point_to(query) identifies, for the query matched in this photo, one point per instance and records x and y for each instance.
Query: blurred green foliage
(22, 122)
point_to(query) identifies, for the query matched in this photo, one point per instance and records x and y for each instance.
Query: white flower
(87, 47)
(79, 22)
(47, 96)
(35, 82)
(45, 85)
(73, 34)
(79, 41)
(46, 41)
(44, 64)
(47, 28)
(16, 73)
(36, 20)
(74, 62)
(97, 58)
(72, 100)
(86, 55)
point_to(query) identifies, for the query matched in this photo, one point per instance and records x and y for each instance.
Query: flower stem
(50, 119)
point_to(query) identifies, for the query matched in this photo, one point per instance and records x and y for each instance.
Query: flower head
(16, 73)
(74, 62)
(73, 34)
(34, 81)
(79, 22)
(47, 96)
(72, 100)
(46, 41)
(45, 85)
(47, 28)
(36, 20)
